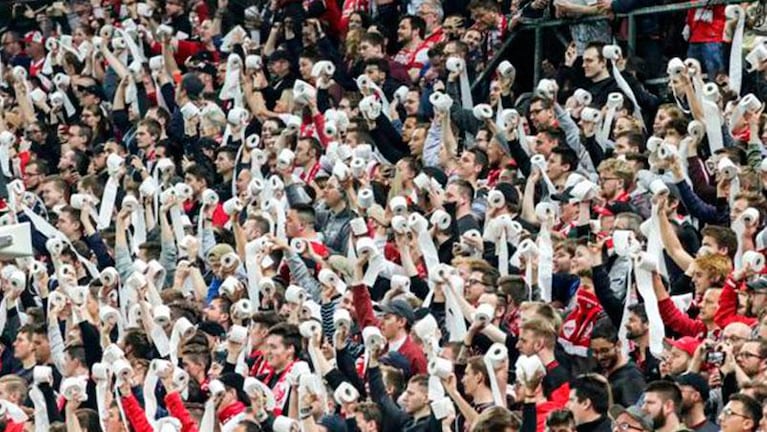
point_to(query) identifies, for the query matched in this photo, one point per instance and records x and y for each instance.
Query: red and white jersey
(413, 58)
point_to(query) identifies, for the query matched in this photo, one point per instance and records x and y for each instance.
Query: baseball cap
(758, 284)
(398, 361)
(509, 192)
(696, 381)
(219, 250)
(635, 413)
(565, 197)
(237, 382)
(687, 344)
(34, 37)
(400, 308)
(212, 328)
(192, 85)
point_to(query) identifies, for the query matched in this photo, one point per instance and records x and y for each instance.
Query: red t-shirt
(706, 24)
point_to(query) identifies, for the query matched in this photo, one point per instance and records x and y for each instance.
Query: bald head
(736, 334)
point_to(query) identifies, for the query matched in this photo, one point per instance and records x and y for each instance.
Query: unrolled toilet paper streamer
(603, 129)
(426, 244)
(108, 202)
(713, 125)
(545, 261)
(139, 228)
(736, 52)
(253, 272)
(626, 89)
(175, 220)
(150, 399)
(494, 357)
(42, 422)
(644, 264)
(654, 241)
(454, 319)
(630, 299)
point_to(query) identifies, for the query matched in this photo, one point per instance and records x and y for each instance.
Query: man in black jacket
(625, 378)
(589, 400)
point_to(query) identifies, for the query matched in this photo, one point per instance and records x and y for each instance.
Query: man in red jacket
(395, 327)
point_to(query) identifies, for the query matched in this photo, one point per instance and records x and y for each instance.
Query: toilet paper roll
(238, 334)
(754, 260)
(484, 313)
(727, 168)
(216, 388)
(345, 393)
(331, 279)
(399, 224)
(622, 242)
(285, 424)
(496, 199)
(646, 262)
(400, 282)
(295, 294)
(675, 67)
(372, 338)
(74, 389)
(658, 187)
(365, 198)
(122, 369)
(750, 216)
(442, 408)
(253, 387)
(615, 101)
(482, 112)
(441, 219)
(426, 327)
(100, 371)
(42, 375)
(417, 223)
(310, 329)
(243, 309)
(342, 318)
(108, 314)
(398, 205)
(366, 247)
(440, 367)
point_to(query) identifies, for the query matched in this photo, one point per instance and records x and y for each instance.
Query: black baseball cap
(696, 381)
(192, 85)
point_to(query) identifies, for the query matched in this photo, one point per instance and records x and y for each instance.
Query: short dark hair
(596, 389)
(198, 171)
(76, 352)
(562, 417)
(416, 23)
(371, 412)
(638, 309)
(465, 187)
(752, 407)
(306, 212)
(667, 390)
(725, 236)
(604, 329)
(568, 156)
(481, 158)
(597, 46)
(495, 419)
(290, 336)
(554, 133)
(269, 319)
(381, 63)
(373, 38)
(635, 139)
(153, 127)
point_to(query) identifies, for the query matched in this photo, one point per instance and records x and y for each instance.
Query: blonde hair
(619, 168)
(717, 266)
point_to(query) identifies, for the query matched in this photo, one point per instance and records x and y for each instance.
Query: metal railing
(539, 25)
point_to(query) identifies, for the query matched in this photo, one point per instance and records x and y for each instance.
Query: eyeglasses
(475, 282)
(727, 411)
(743, 354)
(625, 427)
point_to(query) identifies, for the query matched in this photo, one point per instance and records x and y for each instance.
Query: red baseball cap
(687, 344)
(34, 37)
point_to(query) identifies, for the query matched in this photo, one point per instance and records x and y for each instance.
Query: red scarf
(575, 335)
(230, 411)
